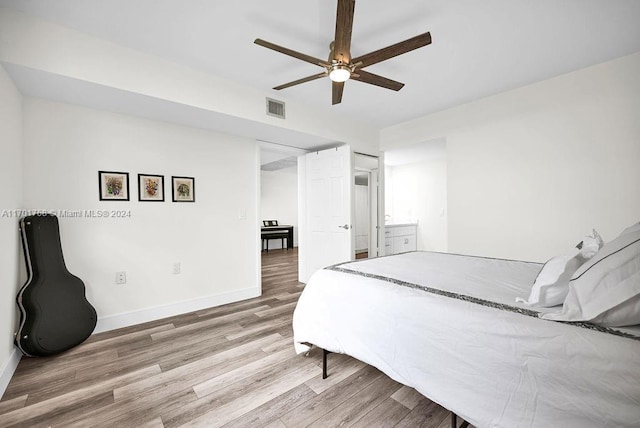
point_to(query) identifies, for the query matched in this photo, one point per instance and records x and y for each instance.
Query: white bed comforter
(493, 367)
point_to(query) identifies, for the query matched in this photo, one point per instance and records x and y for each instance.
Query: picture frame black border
(100, 195)
(173, 188)
(161, 177)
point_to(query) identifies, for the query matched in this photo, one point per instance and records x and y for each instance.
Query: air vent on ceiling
(275, 108)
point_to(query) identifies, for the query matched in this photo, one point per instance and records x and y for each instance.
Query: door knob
(346, 227)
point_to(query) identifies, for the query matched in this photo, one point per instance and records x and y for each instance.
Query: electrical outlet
(121, 277)
(176, 268)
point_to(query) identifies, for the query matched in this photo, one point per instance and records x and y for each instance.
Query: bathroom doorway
(366, 224)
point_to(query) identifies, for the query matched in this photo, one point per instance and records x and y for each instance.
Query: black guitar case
(54, 312)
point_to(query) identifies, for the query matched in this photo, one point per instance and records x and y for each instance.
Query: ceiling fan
(340, 66)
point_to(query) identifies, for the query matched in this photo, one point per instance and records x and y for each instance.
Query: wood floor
(231, 366)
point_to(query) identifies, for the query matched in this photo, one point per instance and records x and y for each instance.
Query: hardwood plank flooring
(230, 366)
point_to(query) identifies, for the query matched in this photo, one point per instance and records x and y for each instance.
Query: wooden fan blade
(299, 81)
(287, 51)
(394, 50)
(336, 90)
(374, 79)
(344, 26)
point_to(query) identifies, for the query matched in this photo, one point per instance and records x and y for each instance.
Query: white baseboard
(9, 369)
(113, 322)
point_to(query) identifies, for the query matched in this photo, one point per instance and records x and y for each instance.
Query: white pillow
(606, 289)
(552, 283)
(631, 229)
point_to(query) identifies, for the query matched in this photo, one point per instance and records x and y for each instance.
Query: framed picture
(114, 186)
(183, 189)
(150, 188)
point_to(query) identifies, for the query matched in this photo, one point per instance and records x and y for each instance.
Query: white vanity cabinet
(400, 238)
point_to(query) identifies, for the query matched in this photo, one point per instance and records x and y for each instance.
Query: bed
(449, 326)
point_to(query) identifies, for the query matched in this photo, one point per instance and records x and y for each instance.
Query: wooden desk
(283, 227)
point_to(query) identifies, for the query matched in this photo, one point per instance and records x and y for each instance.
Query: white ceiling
(479, 47)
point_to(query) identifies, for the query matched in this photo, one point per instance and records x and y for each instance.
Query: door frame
(302, 213)
(375, 207)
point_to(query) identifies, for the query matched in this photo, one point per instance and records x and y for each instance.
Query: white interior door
(328, 208)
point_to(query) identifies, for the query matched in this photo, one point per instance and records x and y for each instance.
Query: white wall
(10, 251)
(279, 200)
(67, 145)
(417, 192)
(84, 60)
(530, 171)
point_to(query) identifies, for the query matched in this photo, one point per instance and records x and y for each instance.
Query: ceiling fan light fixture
(340, 65)
(339, 73)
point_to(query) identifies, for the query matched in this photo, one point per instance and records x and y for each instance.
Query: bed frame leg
(324, 363)
(454, 421)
